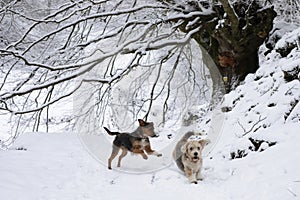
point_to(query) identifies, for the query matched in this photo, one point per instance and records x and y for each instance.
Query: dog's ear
(204, 142)
(183, 148)
(142, 122)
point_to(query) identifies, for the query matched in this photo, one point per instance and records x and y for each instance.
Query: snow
(291, 37)
(62, 166)
(56, 166)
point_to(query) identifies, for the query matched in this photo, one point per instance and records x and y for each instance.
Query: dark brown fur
(137, 142)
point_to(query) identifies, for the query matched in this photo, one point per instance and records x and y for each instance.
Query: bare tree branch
(233, 17)
(260, 119)
(126, 55)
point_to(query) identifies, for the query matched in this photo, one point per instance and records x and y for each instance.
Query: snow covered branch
(66, 46)
(51, 51)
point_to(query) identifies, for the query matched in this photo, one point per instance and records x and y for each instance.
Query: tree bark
(233, 41)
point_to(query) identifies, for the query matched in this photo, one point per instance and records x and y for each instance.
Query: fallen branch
(260, 119)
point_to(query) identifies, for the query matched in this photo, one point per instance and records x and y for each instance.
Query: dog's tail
(111, 133)
(187, 136)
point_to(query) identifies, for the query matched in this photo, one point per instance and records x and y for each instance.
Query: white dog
(188, 155)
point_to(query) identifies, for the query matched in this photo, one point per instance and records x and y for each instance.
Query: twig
(153, 179)
(239, 123)
(293, 193)
(256, 123)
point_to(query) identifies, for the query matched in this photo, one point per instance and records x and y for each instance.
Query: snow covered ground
(256, 157)
(56, 166)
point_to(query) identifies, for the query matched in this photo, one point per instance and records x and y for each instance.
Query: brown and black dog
(135, 142)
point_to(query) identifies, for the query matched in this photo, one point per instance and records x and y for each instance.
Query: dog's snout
(196, 154)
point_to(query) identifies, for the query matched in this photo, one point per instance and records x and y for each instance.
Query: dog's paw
(159, 155)
(195, 182)
(109, 168)
(145, 157)
(199, 176)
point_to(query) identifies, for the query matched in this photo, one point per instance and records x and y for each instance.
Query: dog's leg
(151, 152)
(199, 175)
(124, 153)
(190, 175)
(139, 151)
(114, 153)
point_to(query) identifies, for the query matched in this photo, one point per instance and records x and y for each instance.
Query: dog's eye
(198, 148)
(191, 148)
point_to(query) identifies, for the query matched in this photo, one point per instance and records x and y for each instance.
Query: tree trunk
(233, 41)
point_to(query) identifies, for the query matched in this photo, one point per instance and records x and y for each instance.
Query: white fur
(188, 154)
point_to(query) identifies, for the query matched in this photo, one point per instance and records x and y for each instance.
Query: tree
(53, 52)
(232, 35)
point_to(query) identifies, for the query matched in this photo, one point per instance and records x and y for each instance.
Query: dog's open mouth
(195, 159)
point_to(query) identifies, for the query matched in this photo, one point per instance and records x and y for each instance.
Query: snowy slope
(257, 156)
